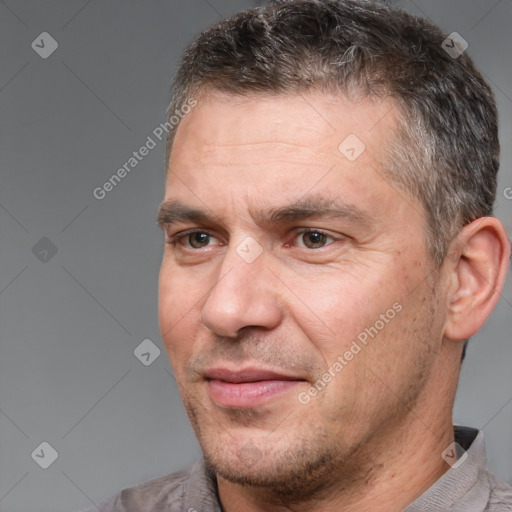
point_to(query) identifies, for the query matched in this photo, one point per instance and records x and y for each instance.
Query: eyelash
(175, 239)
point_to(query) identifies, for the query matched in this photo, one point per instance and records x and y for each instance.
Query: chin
(297, 471)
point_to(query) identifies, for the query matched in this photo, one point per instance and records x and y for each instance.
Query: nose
(245, 295)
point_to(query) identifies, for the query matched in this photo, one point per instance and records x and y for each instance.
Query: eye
(192, 239)
(198, 240)
(313, 239)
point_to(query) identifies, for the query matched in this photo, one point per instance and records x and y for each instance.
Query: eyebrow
(314, 207)
(174, 211)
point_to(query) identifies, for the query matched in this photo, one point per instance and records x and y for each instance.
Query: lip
(246, 375)
(249, 387)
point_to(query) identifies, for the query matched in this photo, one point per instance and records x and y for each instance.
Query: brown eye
(198, 240)
(314, 239)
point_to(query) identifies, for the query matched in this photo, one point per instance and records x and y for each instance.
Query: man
(330, 250)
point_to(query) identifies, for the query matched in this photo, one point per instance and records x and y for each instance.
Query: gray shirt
(466, 488)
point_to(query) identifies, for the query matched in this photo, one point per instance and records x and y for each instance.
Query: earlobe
(477, 263)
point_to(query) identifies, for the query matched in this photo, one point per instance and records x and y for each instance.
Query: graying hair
(445, 151)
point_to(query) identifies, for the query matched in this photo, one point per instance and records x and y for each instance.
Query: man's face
(288, 255)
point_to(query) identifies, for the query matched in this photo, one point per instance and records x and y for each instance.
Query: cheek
(334, 310)
(177, 303)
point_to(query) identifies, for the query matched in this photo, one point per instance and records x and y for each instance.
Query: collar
(464, 488)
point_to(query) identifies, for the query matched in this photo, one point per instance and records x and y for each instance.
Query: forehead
(266, 151)
(311, 122)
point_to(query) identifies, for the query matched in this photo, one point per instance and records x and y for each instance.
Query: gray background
(69, 325)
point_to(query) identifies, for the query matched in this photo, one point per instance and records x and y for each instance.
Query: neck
(394, 468)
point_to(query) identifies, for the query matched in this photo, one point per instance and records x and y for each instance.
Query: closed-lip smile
(248, 387)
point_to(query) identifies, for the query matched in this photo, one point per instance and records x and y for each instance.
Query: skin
(372, 437)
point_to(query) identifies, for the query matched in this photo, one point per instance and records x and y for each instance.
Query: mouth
(249, 387)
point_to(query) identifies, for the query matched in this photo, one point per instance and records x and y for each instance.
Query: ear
(477, 262)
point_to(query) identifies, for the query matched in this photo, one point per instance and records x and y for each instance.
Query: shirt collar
(464, 488)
